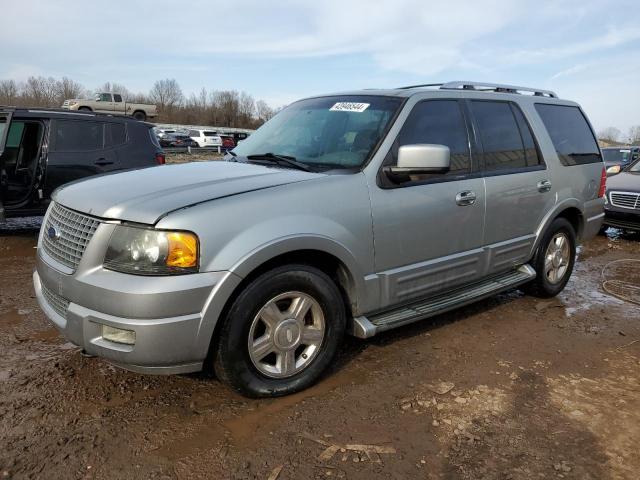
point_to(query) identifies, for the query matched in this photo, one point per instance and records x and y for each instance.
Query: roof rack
(486, 87)
(496, 87)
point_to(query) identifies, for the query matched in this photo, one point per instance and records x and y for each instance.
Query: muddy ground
(512, 387)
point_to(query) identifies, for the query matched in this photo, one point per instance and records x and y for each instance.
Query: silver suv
(356, 212)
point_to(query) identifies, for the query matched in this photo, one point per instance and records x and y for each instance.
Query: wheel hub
(287, 334)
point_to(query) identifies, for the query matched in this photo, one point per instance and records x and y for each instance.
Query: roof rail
(421, 86)
(496, 87)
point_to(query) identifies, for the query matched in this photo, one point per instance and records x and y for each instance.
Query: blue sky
(588, 51)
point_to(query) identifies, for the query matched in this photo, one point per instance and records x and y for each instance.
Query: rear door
(77, 150)
(518, 187)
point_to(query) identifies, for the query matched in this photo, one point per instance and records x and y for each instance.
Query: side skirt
(366, 327)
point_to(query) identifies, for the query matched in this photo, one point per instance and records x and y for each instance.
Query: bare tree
(263, 111)
(41, 91)
(167, 94)
(634, 135)
(8, 92)
(68, 88)
(610, 134)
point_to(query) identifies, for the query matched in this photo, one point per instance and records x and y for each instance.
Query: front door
(5, 121)
(428, 231)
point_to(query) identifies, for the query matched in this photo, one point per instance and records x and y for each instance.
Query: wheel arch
(568, 209)
(322, 253)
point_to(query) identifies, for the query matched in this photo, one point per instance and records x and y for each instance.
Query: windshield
(616, 155)
(329, 132)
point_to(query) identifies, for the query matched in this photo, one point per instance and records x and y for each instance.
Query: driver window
(438, 122)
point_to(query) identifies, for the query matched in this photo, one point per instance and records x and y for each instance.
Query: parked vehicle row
(200, 138)
(42, 149)
(258, 265)
(113, 104)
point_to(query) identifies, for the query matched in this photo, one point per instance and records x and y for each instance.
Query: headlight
(73, 104)
(144, 251)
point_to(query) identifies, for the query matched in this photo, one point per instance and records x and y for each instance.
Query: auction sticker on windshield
(349, 107)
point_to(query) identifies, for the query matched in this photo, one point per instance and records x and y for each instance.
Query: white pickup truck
(114, 104)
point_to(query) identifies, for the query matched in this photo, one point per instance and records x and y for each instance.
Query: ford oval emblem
(53, 233)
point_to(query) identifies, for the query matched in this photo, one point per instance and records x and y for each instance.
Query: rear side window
(438, 122)
(506, 139)
(570, 133)
(117, 98)
(116, 134)
(76, 136)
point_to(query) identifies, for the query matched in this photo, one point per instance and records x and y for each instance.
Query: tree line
(229, 108)
(614, 135)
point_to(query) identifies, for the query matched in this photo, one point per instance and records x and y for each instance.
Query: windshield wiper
(280, 160)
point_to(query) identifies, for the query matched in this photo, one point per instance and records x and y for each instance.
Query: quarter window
(438, 122)
(507, 141)
(76, 136)
(570, 133)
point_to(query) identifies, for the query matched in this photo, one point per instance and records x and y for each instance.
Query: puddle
(249, 425)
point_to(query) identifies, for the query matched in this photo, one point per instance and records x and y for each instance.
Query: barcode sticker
(349, 107)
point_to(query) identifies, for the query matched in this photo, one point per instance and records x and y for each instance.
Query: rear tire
(554, 260)
(140, 116)
(281, 332)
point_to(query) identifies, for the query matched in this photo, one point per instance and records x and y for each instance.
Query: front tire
(281, 332)
(554, 260)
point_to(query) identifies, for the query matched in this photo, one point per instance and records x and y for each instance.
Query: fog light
(118, 335)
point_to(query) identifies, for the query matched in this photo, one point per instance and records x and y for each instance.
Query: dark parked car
(622, 207)
(619, 157)
(176, 140)
(42, 149)
(228, 143)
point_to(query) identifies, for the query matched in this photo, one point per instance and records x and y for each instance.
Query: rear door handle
(544, 186)
(103, 161)
(467, 197)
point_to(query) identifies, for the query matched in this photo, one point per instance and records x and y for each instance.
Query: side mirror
(613, 170)
(420, 159)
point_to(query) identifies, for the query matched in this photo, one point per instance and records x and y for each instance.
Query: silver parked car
(356, 212)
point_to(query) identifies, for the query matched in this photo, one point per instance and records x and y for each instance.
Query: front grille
(55, 301)
(67, 234)
(625, 200)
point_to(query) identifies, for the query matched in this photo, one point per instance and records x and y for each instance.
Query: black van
(41, 149)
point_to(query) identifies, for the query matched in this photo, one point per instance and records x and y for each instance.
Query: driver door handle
(466, 197)
(103, 161)
(544, 186)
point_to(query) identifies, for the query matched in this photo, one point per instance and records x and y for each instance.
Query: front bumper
(622, 218)
(173, 317)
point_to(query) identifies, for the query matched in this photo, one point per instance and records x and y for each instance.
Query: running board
(363, 327)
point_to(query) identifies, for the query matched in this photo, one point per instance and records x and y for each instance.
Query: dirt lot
(512, 387)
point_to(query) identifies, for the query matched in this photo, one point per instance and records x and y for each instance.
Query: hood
(147, 195)
(624, 181)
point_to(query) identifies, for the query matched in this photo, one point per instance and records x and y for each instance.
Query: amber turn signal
(182, 250)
